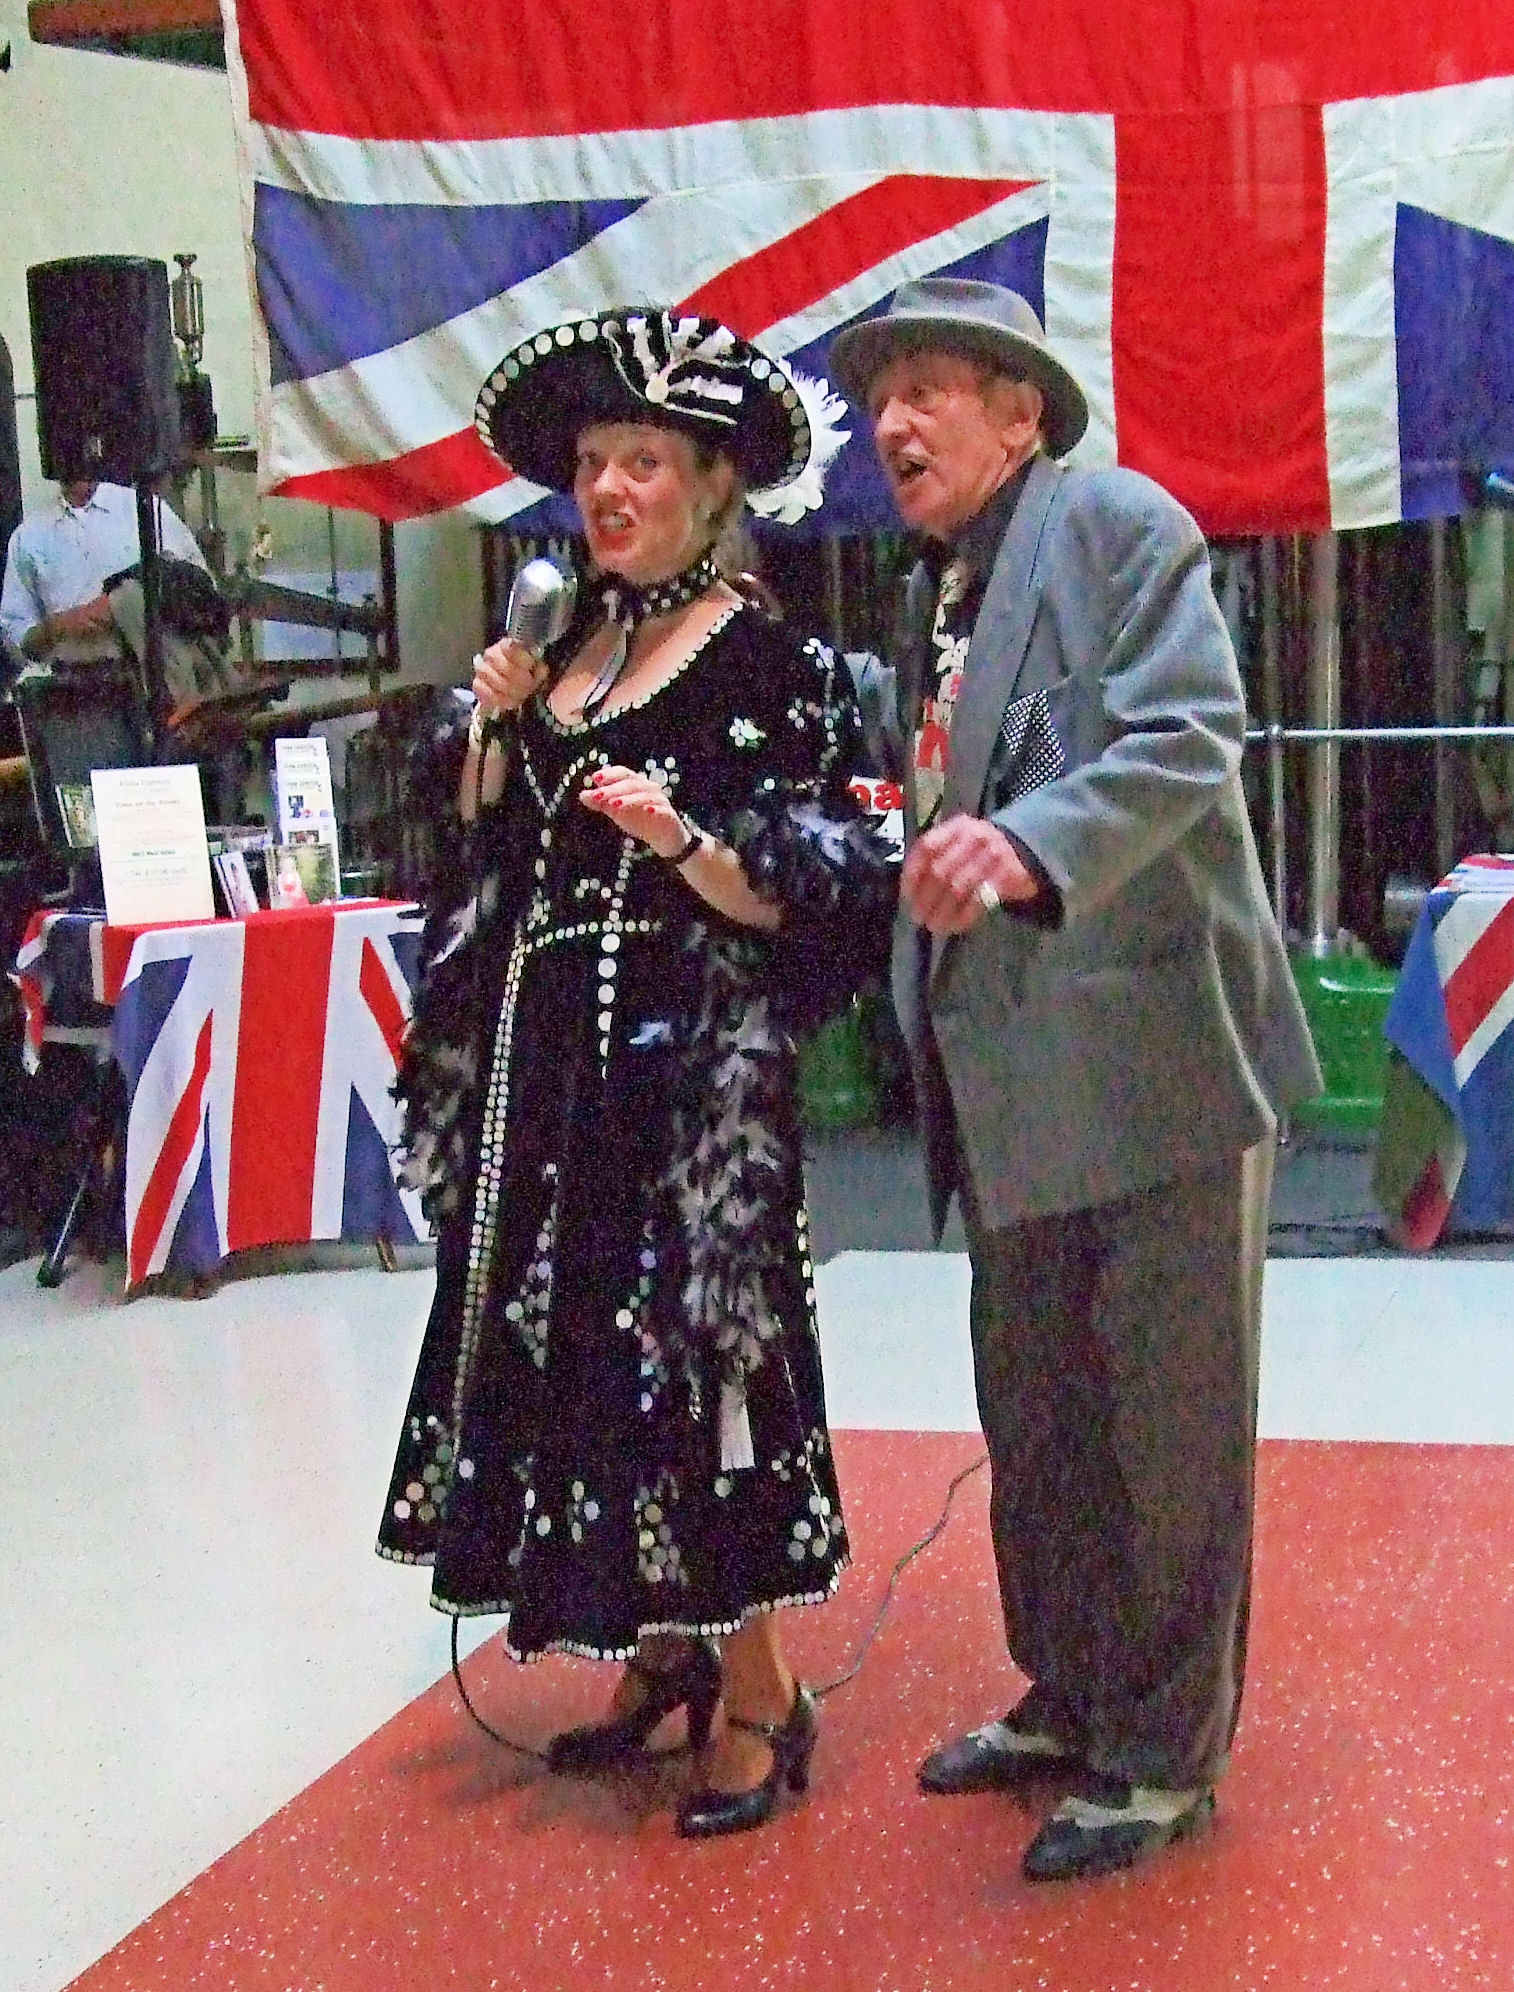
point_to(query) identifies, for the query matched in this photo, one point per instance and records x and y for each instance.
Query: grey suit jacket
(1100, 721)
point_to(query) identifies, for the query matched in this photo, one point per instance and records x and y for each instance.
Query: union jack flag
(1450, 1021)
(63, 975)
(1275, 244)
(258, 1056)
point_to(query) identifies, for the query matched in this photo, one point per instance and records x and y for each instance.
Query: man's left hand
(946, 869)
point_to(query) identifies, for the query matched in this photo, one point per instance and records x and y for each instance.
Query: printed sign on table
(154, 859)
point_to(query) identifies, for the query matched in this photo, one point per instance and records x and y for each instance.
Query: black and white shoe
(996, 1757)
(1113, 1825)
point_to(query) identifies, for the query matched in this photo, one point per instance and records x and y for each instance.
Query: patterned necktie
(933, 735)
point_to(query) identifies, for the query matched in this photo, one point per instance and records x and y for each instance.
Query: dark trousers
(1116, 1359)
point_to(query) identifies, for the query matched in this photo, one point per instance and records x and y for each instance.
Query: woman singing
(617, 1432)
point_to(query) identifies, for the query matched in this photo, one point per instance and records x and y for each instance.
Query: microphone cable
(819, 1690)
(915, 1549)
(495, 731)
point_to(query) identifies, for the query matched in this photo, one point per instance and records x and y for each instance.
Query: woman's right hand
(504, 677)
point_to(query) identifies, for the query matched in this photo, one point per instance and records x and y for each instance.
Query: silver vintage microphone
(538, 611)
(540, 605)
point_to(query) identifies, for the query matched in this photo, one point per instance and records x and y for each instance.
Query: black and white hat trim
(781, 428)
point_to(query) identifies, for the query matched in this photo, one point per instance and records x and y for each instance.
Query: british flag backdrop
(1274, 238)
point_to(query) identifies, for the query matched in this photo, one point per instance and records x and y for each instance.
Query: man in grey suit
(1103, 1028)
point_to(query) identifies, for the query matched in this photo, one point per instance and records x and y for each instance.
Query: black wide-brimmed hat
(646, 363)
(960, 315)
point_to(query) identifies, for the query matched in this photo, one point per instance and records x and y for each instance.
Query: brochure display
(302, 783)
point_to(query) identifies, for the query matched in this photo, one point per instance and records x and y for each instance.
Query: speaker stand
(152, 607)
(101, 1143)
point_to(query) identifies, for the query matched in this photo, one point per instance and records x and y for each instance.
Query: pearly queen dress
(618, 1423)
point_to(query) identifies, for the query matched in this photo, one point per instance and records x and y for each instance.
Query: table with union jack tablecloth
(1445, 1153)
(257, 1056)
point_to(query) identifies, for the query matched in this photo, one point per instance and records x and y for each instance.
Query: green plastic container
(837, 1087)
(1346, 998)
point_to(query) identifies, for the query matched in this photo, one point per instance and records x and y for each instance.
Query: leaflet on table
(302, 784)
(301, 874)
(236, 883)
(236, 858)
(76, 807)
(154, 861)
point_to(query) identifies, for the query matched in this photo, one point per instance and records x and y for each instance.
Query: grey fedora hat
(961, 315)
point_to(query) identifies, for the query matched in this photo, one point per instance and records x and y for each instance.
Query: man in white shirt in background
(54, 608)
(56, 612)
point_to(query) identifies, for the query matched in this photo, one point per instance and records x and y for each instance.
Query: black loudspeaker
(103, 356)
(72, 722)
(10, 462)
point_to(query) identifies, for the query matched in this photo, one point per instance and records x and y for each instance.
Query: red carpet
(1364, 1843)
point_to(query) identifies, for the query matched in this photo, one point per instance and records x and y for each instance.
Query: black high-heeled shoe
(704, 1814)
(693, 1683)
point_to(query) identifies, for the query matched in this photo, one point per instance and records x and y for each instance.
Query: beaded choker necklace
(628, 607)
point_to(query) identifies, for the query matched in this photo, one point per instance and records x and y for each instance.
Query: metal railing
(1276, 737)
(1324, 736)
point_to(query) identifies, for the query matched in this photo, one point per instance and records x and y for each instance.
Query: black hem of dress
(581, 1650)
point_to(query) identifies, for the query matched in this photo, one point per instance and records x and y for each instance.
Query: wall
(104, 155)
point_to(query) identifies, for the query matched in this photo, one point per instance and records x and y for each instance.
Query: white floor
(194, 1625)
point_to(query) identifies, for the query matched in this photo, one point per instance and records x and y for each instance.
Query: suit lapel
(996, 653)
